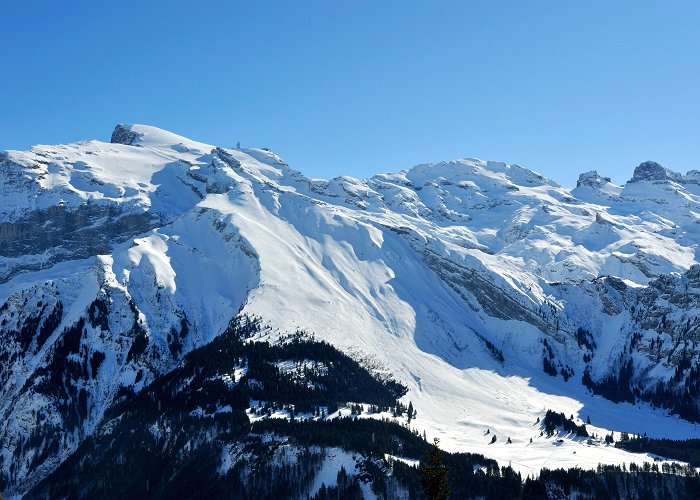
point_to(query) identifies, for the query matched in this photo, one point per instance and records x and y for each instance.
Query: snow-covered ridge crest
(144, 135)
(458, 277)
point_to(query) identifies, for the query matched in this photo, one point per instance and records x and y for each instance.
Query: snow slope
(455, 278)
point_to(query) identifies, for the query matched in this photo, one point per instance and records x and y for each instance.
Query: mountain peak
(652, 171)
(592, 179)
(123, 134)
(455, 171)
(146, 135)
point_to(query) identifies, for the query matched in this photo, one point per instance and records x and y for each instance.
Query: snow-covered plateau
(489, 291)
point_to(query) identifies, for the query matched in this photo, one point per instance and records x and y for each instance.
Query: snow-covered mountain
(489, 291)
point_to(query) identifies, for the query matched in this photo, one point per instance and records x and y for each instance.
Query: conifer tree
(435, 475)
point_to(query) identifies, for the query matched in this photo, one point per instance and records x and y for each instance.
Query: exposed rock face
(591, 179)
(57, 233)
(123, 135)
(692, 177)
(652, 171)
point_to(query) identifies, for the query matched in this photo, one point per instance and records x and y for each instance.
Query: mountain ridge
(482, 286)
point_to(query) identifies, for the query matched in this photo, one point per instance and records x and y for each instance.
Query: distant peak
(692, 177)
(592, 179)
(652, 171)
(466, 168)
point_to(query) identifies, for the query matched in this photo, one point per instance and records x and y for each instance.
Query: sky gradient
(361, 87)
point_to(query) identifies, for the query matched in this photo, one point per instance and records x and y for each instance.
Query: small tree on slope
(435, 475)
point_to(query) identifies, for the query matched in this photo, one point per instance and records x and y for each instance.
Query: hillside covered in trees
(230, 421)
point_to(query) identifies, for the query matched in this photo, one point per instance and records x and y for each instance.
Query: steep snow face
(76, 337)
(456, 278)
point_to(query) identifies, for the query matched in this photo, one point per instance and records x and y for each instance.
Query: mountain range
(459, 300)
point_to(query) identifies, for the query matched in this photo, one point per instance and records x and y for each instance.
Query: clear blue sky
(358, 87)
